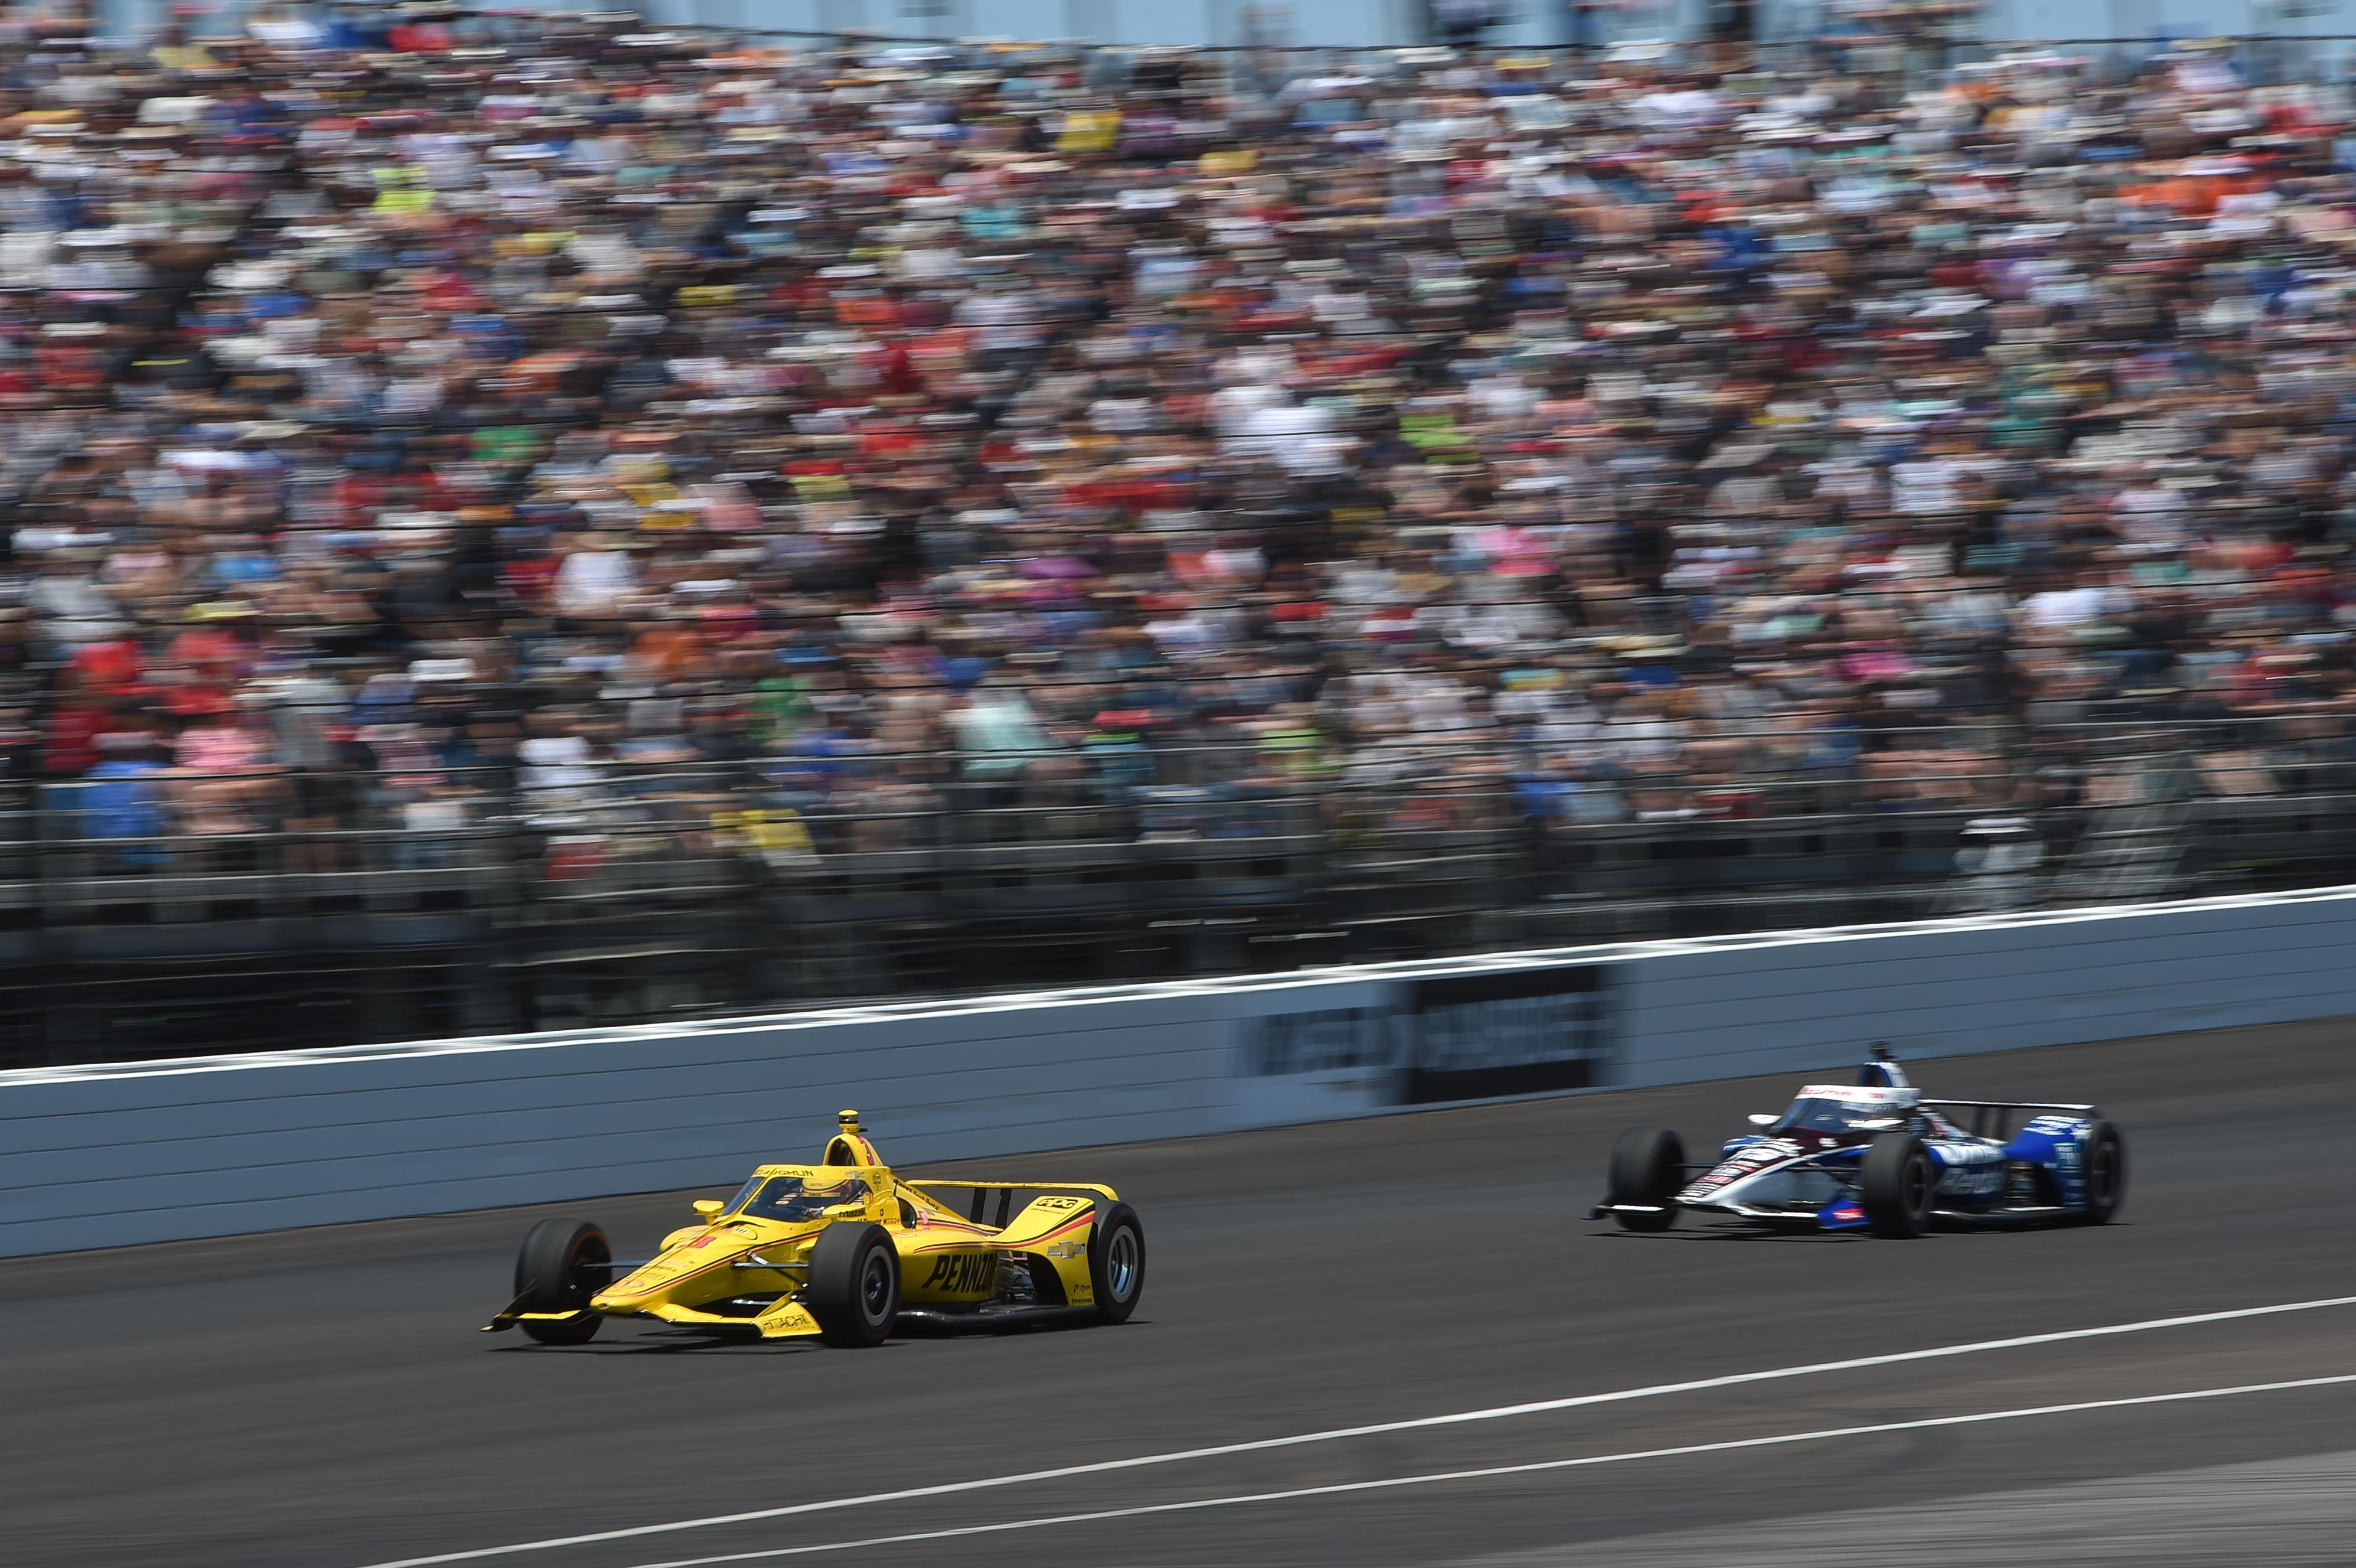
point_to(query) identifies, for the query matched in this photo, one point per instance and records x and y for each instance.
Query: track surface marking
(321, 1399)
(1493, 1472)
(1500, 1413)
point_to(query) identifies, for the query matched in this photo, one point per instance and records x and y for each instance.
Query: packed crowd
(405, 407)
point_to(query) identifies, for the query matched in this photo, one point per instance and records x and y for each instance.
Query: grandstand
(516, 521)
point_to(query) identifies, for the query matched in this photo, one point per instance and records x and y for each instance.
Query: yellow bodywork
(715, 1274)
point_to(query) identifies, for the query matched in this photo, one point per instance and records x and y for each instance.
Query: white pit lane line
(1494, 1471)
(1336, 1434)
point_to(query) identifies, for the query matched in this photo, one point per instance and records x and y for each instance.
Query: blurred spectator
(120, 802)
(1600, 434)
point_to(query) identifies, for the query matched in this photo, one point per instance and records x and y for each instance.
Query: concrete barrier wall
(115, 1155)
(1776, 1004)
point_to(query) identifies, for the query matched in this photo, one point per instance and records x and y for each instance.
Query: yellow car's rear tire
(1116, 1262)
(562, 1265)
(855, 1284)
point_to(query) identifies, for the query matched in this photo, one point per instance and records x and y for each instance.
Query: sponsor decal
(1341, 1040)
(963, 1274)
(1749, 1160)
(1973, 1181)
(2069, 1167)
(1464, 1037)
(1476, 1036)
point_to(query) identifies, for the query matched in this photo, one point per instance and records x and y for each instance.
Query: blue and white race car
(1875, 1155)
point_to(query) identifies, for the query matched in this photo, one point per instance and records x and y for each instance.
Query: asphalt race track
(323, 1399)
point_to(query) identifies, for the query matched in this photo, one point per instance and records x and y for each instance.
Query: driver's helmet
(1905, 1109)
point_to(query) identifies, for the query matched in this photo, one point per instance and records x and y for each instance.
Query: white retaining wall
(1773, 1004)
(111, 1156)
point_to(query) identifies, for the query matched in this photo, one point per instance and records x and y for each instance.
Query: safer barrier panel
(111, 1156)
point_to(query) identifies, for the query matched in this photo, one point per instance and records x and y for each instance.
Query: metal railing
(1912, 50)
(160, 912)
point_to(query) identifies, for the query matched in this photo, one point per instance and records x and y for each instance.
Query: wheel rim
(1918, 1186)
(1121, 1264)
(589, 1260)
(2103, 1173)
(876, 1287)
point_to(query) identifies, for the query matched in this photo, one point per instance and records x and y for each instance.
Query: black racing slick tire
(1648, 1168)
(1116, 1262)
(855, 1284)
(1896, 1186)
(561, 1265)
(2104, 1171)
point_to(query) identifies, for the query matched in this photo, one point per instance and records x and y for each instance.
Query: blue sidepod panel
(2056, 1144)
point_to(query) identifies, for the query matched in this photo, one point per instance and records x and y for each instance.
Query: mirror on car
(708, 1207)
(1762, 1119)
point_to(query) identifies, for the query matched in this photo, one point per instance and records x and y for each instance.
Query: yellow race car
(845, 1251)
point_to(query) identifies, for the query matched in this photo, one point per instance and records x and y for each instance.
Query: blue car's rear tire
(1897, 1185)
(2105, 1170)
(1648, 1168)
(562, 1265)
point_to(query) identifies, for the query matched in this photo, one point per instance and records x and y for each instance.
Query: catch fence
(1901, 47)
(166, 911)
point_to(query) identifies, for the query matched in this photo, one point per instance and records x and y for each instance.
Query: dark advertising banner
(1426, 1041)
(1480, 1037)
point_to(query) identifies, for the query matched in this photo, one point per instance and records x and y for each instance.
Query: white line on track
(1495, 1471)
(1336, 1434)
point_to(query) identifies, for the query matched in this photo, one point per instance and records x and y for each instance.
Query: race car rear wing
(1988, 1116)
(1007, 1190)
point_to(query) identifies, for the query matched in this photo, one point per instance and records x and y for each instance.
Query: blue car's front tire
(1648, 1168)
(1896, 1186)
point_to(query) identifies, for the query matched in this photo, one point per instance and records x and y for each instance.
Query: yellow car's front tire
(562, 1265)
(855, 1284)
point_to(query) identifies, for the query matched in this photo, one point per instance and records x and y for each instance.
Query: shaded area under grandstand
(692, 890)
